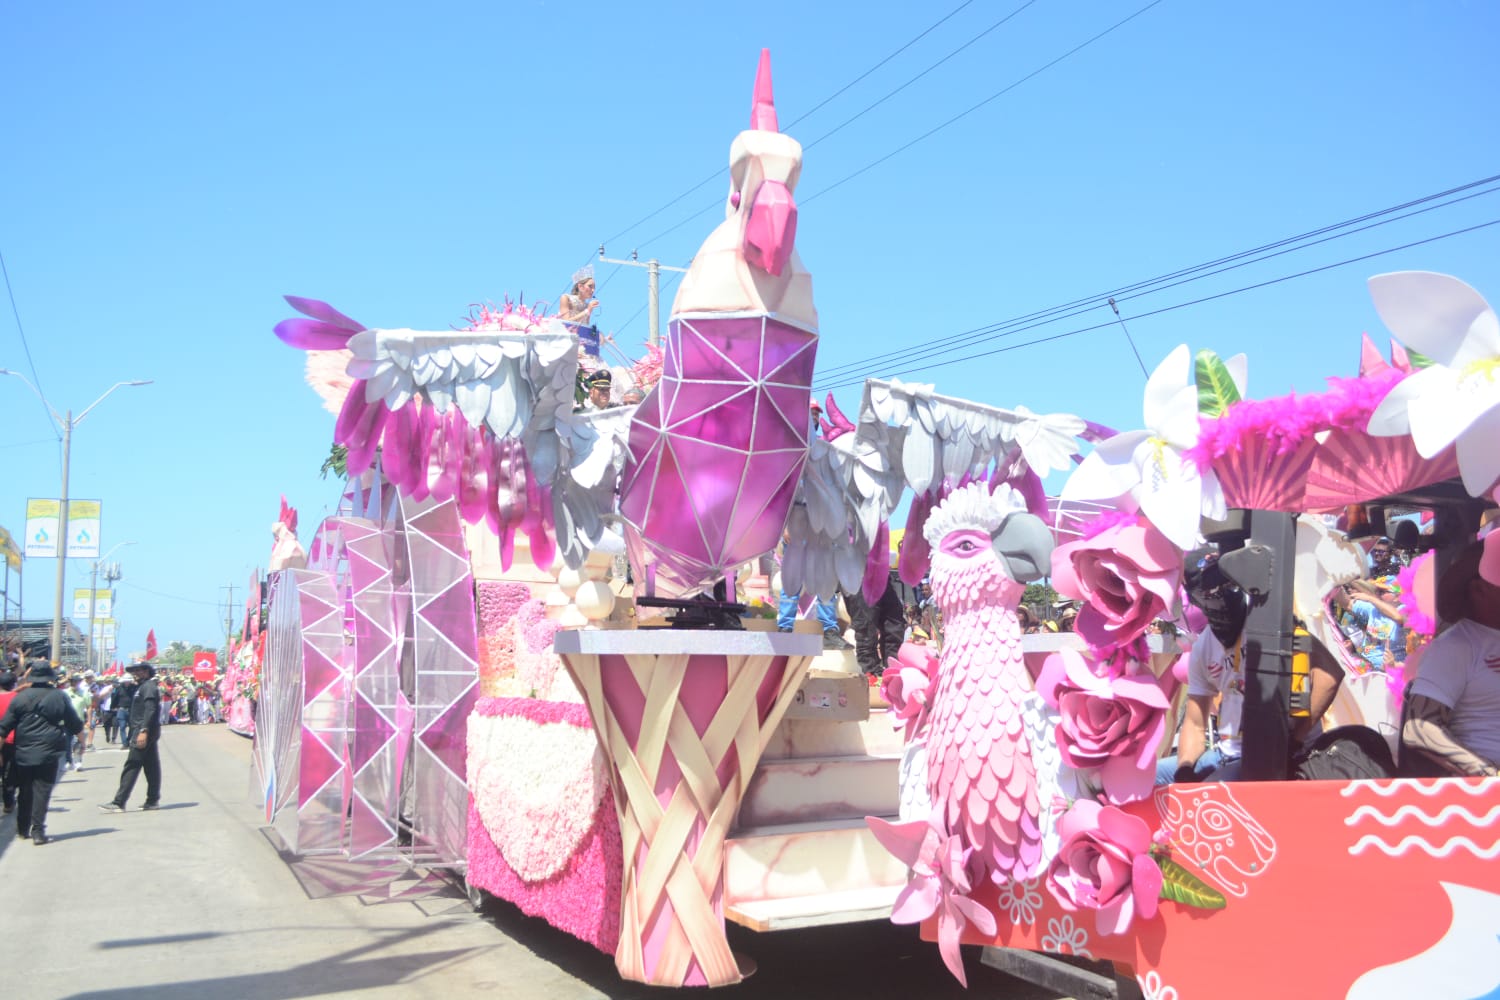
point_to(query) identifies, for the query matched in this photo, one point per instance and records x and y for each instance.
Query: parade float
(456, 678)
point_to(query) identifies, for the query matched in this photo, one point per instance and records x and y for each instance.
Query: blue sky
(171, 169)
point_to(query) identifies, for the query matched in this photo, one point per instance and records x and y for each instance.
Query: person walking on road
(119, 703)
(44, 722)
(142, 739)
(7, 743)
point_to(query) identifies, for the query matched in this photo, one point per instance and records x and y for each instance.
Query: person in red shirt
(7, 748)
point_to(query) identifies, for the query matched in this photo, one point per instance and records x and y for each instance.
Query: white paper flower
(1064, 937)
(1149, 466)
(1020, 901)
(1457, 398)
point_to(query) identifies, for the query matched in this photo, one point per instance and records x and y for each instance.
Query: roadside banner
(83, 529)
(103, 604)
(205, 665)
(9, 550)
(41, 528)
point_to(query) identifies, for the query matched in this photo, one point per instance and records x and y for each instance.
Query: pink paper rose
(1127, 575)
(908, 684)
(1114, 723)
(1105, 865)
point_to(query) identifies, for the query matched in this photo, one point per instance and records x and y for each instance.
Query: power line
(930, 29)
(1179, 305)
(676, 276)
(36, 379)
(719, 171)
(871, 107)
(1181, 276)
(170, 597)
(995, 96)
(935, 129)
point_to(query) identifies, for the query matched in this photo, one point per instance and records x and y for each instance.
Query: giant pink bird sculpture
(716, 450)
(980, 773)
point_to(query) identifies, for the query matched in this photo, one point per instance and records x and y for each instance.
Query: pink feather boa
(1289, 421)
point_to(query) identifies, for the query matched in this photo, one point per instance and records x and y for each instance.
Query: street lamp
(111, 574)
(66, 425)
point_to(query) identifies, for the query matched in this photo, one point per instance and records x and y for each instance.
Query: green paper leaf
(1418, 360)
(1181, 886)
(1216, 388)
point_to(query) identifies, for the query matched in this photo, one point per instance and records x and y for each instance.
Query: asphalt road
(195, 901)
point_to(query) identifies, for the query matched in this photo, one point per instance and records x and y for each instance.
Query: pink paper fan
(1261, 475)
(1352, 467)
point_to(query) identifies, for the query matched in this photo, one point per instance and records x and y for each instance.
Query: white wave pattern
(1415, 812)
(1407, 843)
(1428, 787)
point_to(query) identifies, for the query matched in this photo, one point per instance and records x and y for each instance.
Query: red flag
(151, 645)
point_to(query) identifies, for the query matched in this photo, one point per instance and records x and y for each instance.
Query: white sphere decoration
(569, 580)
(595, 600)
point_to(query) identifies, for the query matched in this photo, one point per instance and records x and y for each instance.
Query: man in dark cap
(599, 384)
(44, 720)
(142, 739)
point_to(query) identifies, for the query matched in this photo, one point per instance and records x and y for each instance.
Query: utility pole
(111, 574)
(228, 624)
(65, 425)
(654, 268)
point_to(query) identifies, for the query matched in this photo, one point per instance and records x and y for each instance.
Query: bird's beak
(771, 231)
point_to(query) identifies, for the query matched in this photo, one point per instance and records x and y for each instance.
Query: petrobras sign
(103, 601)
(83, 529)
(44, 528)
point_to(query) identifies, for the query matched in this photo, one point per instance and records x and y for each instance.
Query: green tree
(1040, 595)
(179, 655)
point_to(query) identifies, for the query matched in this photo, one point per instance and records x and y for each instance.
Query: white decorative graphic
(1019, 901)
(1152, 988)
(1064, 937)
(1415, 812)
(1407, 843)
(1428, 787)
(1454, 824)
(1464, 963)
(1213, 831)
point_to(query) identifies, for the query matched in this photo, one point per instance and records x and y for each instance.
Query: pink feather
(323, 311)
(543, 548)
(313, 335)
(916, 554)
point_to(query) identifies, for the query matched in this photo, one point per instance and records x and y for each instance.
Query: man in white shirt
(1453, 717)
(1216, 669)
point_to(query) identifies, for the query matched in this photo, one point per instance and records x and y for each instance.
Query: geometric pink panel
(715, 452)
(441, 643)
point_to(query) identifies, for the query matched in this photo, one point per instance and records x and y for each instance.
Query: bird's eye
(966, 545)
(734, 199)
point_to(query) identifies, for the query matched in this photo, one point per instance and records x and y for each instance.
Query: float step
(804, 789)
